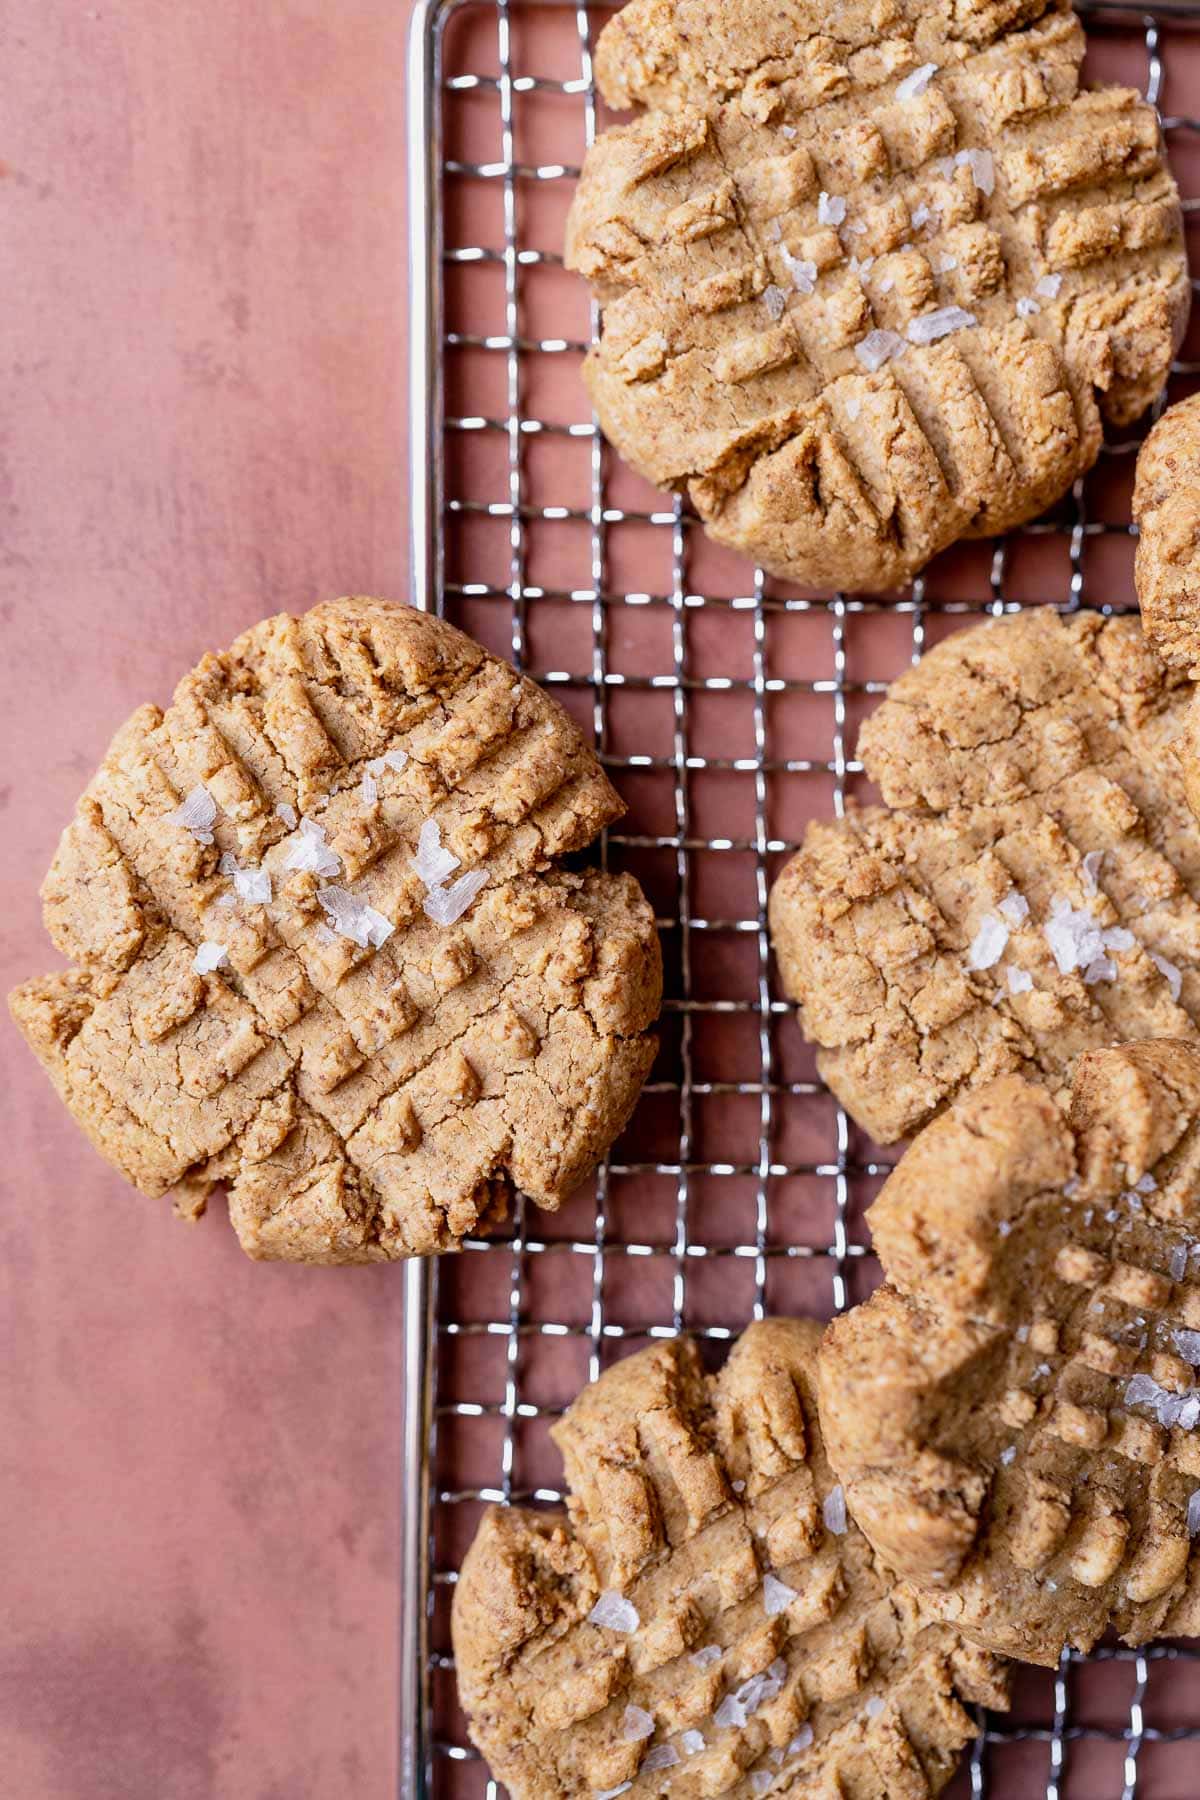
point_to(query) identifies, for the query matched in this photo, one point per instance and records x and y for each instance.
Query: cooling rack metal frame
(423, 1758)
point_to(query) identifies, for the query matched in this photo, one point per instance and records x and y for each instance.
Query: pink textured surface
(203, 422)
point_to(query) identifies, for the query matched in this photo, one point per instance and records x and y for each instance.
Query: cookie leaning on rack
(324, 951)
(1015, 1412)
(705, 1619)
(871, 275)
(1030, 888)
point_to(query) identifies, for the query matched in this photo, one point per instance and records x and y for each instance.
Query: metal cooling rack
(725, 704)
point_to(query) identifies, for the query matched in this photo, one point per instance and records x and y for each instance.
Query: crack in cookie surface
(1014, 1413)
(276, 988)
(870, 289)
(1028, 892)
(703, 1619)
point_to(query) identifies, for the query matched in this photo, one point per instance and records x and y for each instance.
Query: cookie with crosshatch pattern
(872, 272)
(323, 950)
(1166, 507)
(705, 1619)
(1030, 888)
(1015, 1413)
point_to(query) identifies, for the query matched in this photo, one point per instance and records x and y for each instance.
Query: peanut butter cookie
(871, 273)
(1028, 892)
(322, 949)
(1166, 506)
(705, 1619)
(1014, 1413)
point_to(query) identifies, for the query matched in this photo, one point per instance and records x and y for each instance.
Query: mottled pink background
(202, 420)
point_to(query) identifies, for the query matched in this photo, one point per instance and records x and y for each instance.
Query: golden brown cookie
(323, 951)
(705, 1620)
(871, 273)
(1166, 506)
(1015, 1412)
(1028, 892)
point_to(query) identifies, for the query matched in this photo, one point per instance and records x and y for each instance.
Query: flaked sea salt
(611, 1793)
(1091, 871)
(737, 1706)
(663, 1756)
(1004, 1228)
(1193, 1514)
(446, 905)
(833, 1510)
(637, 1724)
(982, 167)
(801, 1741)
(1027, 308)
(323, 934)
(352, 918)
(1170, 973)
(691, 1742)
(774, 299)
(877, 348)
(739, 1487)
(433, 862)
(730, 1715)
(368, 788)
(1014, 907)
(862, 266)
(287, 814)
(253, 886)
(803, 273)
(614, 1612)
(310, 853)
(760, 1780)
(1172, 1409)
(711, 1653)
(1047, 286)
(831, 209)
(1019, 980)
(1077, 940)
(209, 956)
(930, 326)
(227, 863)
(396, 759)
(1188, 1345)
(921, 215)
(989, 943)
(1146, 1184)
(1007, 1456)
(874, 1707)
(945, 264)
(887, 284)
(914, 85)
(197, 814)
(1101, 968)
(1178, 1263)
(777, 1596)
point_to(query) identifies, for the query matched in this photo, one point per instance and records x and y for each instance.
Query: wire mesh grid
(725, 704)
